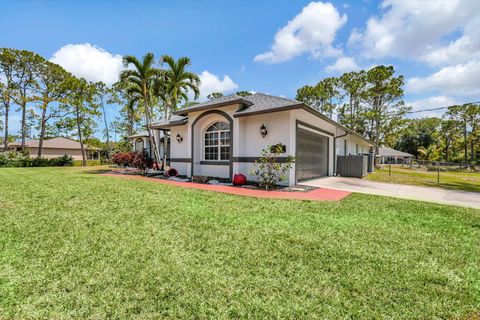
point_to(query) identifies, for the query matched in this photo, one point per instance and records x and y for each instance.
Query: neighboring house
(57, 147)
(389, 155)
(222, 137)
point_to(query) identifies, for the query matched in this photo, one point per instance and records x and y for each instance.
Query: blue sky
(266, 46)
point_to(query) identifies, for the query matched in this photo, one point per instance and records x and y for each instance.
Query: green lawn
(79, 245)
(450, 180)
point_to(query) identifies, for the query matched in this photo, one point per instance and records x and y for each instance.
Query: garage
(312, 153)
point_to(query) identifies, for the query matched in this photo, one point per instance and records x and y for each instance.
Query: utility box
(370, 162)
(352, 166)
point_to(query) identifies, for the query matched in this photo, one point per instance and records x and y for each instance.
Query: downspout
(335, 152)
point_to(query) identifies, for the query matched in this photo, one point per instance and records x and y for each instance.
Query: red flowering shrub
(142, 160)
(123, 159)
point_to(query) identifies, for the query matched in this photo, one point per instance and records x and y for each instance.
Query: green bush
(15, 159)
(268, 171)
(63, 161)
(19, 159)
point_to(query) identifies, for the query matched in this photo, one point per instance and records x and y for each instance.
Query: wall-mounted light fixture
(179, 138)
(263, 131)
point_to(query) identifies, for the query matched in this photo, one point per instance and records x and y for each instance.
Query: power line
(440, 108)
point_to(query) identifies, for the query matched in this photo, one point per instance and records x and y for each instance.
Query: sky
(273, 47)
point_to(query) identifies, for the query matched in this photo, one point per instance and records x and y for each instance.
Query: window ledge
(215, 163)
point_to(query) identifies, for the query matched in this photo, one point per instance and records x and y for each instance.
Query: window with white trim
(217, 142)
(139, 144)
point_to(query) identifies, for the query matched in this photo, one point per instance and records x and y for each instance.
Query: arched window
(217, 142)
(139, 144)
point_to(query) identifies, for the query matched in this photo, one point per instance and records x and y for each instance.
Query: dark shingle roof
(256, 102)
(222, 101)
(251, 105)
(262, 102)
(175, 119)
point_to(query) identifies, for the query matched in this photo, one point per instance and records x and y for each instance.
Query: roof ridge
(278, 97)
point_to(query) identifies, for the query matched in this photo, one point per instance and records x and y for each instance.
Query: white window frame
(136, 142)
(219, 144)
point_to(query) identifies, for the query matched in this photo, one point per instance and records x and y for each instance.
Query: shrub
(41, 162)
(268, 171)
(123, 159)
(142, 160)
(15, 159)
(63, 161)
(19, 159)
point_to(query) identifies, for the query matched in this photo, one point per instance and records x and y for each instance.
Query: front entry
(312, 154)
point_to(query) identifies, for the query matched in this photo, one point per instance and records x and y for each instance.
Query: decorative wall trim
(216, 163)
(253, 159)
(180, 160)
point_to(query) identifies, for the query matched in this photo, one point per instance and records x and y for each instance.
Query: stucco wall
(50, 153)
(251, 142)
(353, 144)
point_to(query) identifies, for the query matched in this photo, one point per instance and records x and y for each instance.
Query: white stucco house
(222, 137)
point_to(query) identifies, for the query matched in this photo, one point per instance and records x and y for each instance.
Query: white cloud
(89, 62)
(213, 83)
(343, 64)
(461, 50)
(460, 79)
(311, 31)
(430, 103)
(421, 30)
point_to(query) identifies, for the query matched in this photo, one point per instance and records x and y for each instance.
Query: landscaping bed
(209, 180)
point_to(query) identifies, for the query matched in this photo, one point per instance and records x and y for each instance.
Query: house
(141, 141)
(389, 155)
(57, 147)
(224, 136)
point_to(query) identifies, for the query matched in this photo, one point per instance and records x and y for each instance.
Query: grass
(79, 245)
(78, 163)
(450, 180)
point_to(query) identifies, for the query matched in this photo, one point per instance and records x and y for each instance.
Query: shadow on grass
(459, 186)
(98, 171)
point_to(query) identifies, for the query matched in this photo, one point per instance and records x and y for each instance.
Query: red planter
(172, 172)
(239, 179)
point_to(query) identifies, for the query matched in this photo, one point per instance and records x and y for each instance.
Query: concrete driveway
(437, 195)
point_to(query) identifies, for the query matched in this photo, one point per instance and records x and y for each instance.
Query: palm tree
(141, 81)
(178, 82)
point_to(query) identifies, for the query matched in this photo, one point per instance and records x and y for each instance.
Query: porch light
(263, 131)
(179, 138)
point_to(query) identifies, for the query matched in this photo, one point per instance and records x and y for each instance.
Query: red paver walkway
(322, 194)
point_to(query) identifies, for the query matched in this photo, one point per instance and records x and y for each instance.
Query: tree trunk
(446, 152)
(131, 121)
(465, 141)
(472, 150)
(106, 131)
(150, 138)
(80, 139)
(7, 110)
(42, 131)
(351, 112)
(165, 140)
(24, 125)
